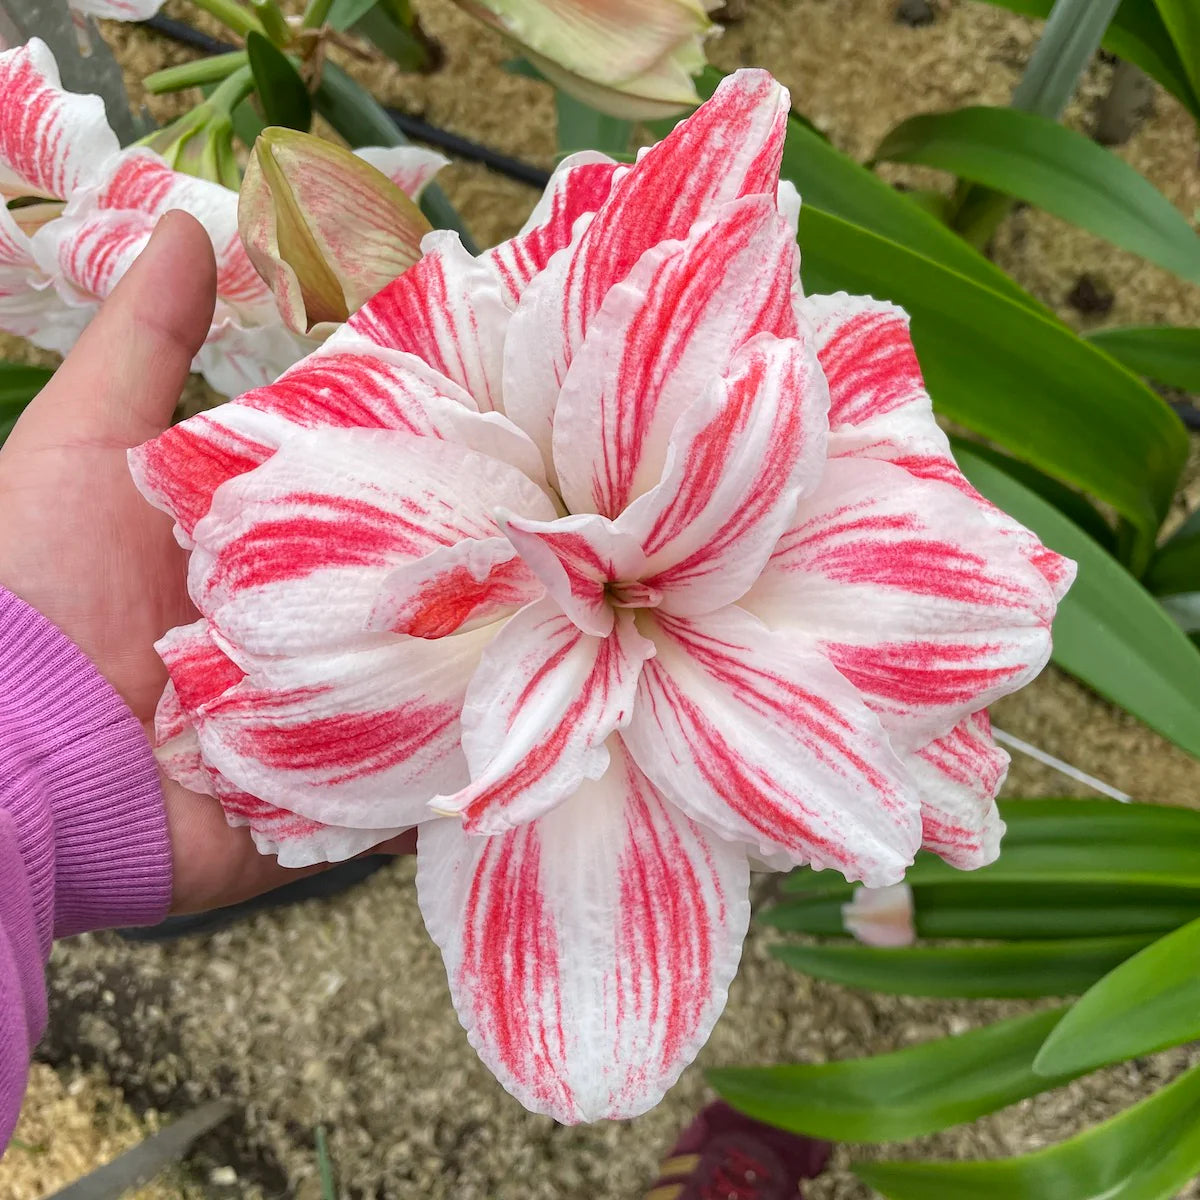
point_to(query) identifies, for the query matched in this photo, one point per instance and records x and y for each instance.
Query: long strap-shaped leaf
(894, 1096)
(1182, 19)
(1004, 371)
(1147, 1152)
(1037, 160)
(1137, 34)
(1167, 353)
(1148, 1003)
(1109, 631)
(1063, 967)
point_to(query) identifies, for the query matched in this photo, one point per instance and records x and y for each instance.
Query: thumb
(122, 381)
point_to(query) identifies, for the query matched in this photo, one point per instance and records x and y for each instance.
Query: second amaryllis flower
(617, 566)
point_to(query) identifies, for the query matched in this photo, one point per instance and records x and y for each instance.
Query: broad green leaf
(281, 91)
(901, 1095)
(1148, 1152)
(833, 181)
(581, 127)
(1148, 1003)
(1137, 34)
(404, 43)
(1169, 354)
(363, 121)
(1012, 375)
(1063, 967)
(1175, 568)
(19, 384)
(1016, 910)
(1182, 19)
(1109, 631)
(1037, 160)
(1068, 501)
(1062, 841)
(344, 13)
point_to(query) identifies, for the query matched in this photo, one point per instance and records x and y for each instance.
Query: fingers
(121, 382)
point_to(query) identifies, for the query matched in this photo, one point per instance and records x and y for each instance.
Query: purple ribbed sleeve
(83, 835)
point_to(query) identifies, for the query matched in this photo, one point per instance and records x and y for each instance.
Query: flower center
(633, 595)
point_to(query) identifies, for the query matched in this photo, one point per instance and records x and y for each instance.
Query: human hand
(79, 543)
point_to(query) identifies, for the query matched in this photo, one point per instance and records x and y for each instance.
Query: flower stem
(272, 21)
(316, 14)
(229, 94)
(194, 74)
(232, 15)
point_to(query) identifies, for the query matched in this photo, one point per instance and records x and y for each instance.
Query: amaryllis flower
(618, 566)
(86, 209)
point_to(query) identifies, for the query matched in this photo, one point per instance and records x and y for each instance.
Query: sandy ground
(337, 1013)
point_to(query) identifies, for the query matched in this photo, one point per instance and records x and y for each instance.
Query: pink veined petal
(448, 310)
(959, 777)
(755, 735)
(881, 916)
(930, 611)
(87, 254)
(410, 168)
(176, 746)
(589, 953)
(538, 713)
(658, 341)
(51, 141)
(579, 186)
(576, 557)
(29, 305)
(338, 387)
(738, 136)
(879, 408)
(237, 358)
(361, 738)
(291, 556)
(117, 10)
(200, 672)
(454, 589)
(738, 461)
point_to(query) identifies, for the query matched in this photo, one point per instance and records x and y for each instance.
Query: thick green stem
(272, 21)
(358, 117)
(194, 74)
(232, 15)
(316, 14)
(229, 94)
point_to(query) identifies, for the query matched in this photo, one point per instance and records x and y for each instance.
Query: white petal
(410, 168)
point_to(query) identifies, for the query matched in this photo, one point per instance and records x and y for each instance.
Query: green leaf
(1063, 841)
(1014, 911)
(1148, 1003)
(1137, 34)
(1169, 354)
(281, 91)
(581, 127)
(901, 1095)
(1012, 375)
(19, 384)
(833, 181)
(362, 121)
(404, 44)
(1109, 631)
(1148, 1152)
(1175, 569)
(1056, 169)
(344, 13)
(1063, 967)
(1182, 19)
(1068, 501)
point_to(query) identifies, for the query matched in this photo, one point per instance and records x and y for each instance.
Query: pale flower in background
(881, 916)
(619, 567)
(86, 209)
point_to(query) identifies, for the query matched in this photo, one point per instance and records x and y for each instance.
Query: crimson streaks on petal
(589, 952)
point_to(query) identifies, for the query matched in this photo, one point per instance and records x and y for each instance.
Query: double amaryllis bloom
(618, 566)
(86, 209)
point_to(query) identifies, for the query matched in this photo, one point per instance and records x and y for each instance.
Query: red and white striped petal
(292, 555)
(176, 746)
(117, 10)
(928, 609)
(200, 672)
(538, 713)
(738, 135)
(448, 310)
(656, 344)
(576, 558)
(362, 738)
(236, 358)
(958, 778)
(29, 305)
(410, 168)
(579, 186)
(87, 254)
(755, 735)
(589, 953)
(52, 142)
(879, 408)
(738, 461)
(454, 589)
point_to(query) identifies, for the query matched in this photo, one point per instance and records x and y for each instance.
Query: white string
(1057, 764)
